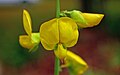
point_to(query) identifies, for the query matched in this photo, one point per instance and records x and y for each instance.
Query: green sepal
(34, 48)
(35, 37)
(77, 17)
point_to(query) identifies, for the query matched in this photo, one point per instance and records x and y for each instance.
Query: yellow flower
(31, 40)
(75, 64)
(57, 34)
(84, 20)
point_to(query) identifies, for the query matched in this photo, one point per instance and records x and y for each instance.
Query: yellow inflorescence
(60, 33)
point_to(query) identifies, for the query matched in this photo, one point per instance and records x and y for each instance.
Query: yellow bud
(76, 64)
(31, 40)
(60, 52)
(83, 20)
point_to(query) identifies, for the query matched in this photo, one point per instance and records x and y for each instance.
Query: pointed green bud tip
(77, 17)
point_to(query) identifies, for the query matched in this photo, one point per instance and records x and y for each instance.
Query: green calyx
(75, 15)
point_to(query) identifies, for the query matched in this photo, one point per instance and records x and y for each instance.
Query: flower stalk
(57, 61)
(57, 8)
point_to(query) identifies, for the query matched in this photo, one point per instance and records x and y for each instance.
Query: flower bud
(84, 20)
(75, 64)
(31, 40)
(60, 52)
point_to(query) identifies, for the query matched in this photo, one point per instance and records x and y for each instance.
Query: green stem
(57, 8)
(57, 61)
(57, 66)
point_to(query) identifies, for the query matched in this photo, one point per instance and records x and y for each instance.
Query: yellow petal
(48, 46)
(74, 40)
(75, 63)
(60, 52)
(25, 41)
(91, 19)
(49, 34)
(68, 31)
(27, 22)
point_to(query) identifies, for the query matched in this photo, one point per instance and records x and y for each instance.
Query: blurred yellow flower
(59, 33)
(31, 40)
(75, 64)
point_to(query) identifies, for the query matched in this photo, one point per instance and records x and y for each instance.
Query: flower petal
(48, 46)
(25, 41)
(49, 34)
(76, 64)
(27, 22)
(60, 52)
(68, 31)
(74, 40)
(92, 19)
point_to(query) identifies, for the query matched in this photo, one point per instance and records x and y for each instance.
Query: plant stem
(57, 61)
(57, 66)
(57, 8)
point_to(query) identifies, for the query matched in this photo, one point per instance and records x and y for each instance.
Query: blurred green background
(98, 46)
